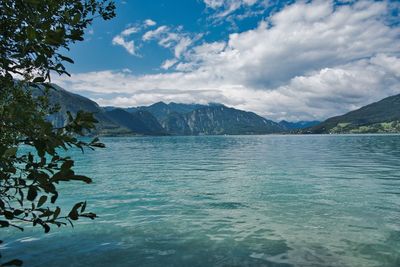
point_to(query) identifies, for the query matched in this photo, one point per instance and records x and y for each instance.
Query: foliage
(382, 127)
(33, 31)
(31, 165)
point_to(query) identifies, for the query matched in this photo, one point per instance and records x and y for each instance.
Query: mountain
(379, 117)
(112, 121)
(298, 125)
(140, 122)
(161, 110)
(73, 102)
(218, 119)
(161, 118)
(109, 108)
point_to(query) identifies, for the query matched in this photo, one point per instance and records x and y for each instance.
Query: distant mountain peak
(160, 103)
(298, 124)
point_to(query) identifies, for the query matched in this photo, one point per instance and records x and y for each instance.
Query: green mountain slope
(113, 122)
(379, 117)
(73, 102)
(140, 122)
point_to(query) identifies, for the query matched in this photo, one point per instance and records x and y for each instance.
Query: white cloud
(129, 31)
(125, 38)
(182, 46)
(390, 64)
(308, 61)
(128, 45)
(175, 39)
(231, 10)
(155, 33)
(122, 39)
(149, 22)
(214, 4)
(229, 6)
(169, 63)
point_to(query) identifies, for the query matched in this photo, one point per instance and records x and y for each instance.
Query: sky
(292, 60)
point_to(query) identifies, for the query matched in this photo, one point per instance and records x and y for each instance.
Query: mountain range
(217, 119)
(193, 119)
(163, 119)
(298, 125)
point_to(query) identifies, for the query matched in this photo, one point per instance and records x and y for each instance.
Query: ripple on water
(230, 201)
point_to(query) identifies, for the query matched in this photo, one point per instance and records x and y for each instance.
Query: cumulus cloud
(129, 31)
(157, 33)
(122, 39)
(169, 63)
(174, 39)
(307, 61)
(125, 40)
(128, 45)
(150, 22)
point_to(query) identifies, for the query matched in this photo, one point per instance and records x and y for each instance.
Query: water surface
(229, 201)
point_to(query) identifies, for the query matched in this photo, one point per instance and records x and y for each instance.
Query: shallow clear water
(229, 200)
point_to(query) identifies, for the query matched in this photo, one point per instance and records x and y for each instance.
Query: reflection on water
(230, 200)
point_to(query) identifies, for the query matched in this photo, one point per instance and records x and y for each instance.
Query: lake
(275, 200)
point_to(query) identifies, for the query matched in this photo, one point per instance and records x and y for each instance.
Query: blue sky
(292, 60)
(194, 16)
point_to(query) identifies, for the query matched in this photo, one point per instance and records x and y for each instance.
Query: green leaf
(81, 178)
(46, 228)
(41, 201)
(54, 197)
(18, 212)
(31, 33)
(66, 59)
(83, 207)
(38, 80)
(10, 152)
(4, 224)
(76, 18)
(32, 193)
(73, 214)
(30, 157)
(56, 213)
(67, 165)
(8, 214)
(90, 215)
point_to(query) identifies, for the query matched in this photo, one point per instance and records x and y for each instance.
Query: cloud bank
(307, 61)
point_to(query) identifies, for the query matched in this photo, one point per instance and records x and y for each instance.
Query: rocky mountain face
(168, 119)
(161, 110)
(218, 119)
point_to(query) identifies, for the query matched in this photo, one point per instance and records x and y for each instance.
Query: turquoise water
(229, 201)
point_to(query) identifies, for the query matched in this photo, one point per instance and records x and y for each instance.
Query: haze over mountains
(216, 119)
